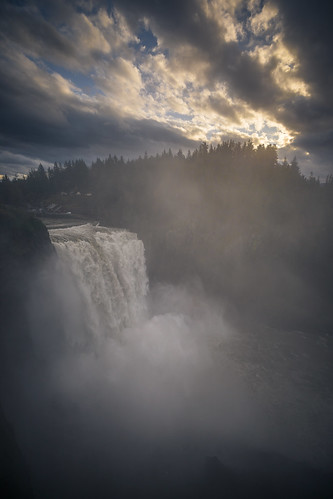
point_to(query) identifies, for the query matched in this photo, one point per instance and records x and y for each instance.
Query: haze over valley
(166, 242)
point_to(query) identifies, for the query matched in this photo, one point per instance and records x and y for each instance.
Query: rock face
(24, 244)
(23, 238)
(14, 473)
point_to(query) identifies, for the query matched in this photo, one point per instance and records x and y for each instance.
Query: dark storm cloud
(306, 112)
(12, 164)
(247, 79)
(224, 108)
(169, 15)
(26, 27)
(85, 134)
(306, 31)
(186, 23)
(52, 31)
(40, 121)
(41, 108)
(42, 115)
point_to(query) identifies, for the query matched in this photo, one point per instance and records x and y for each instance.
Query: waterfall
(121, 399)
(109, 271)
(176, 369)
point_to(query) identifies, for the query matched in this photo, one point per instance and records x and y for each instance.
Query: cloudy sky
(86, 78)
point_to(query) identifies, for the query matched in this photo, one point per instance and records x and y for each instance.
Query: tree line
(226, 160)
(252, 228)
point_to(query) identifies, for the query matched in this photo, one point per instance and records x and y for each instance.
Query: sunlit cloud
(285, 66)
(222, 13)
(263, 20)
(211, 69)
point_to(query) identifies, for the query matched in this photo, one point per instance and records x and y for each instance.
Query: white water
(173, 367)
(123, 382)
(158, 368)
(109, 269)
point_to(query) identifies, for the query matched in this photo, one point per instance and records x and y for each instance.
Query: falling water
(148, 386)
(109, 269)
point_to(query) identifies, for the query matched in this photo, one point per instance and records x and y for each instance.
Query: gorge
(128, 391)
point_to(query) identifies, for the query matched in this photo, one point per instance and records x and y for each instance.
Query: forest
(251, 230)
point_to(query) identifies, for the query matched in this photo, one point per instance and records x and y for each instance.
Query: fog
(134, 404)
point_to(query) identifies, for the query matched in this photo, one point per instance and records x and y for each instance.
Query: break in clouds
(84, 78)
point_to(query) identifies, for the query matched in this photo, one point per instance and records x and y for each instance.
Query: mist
(137, 399)
(166, 315)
